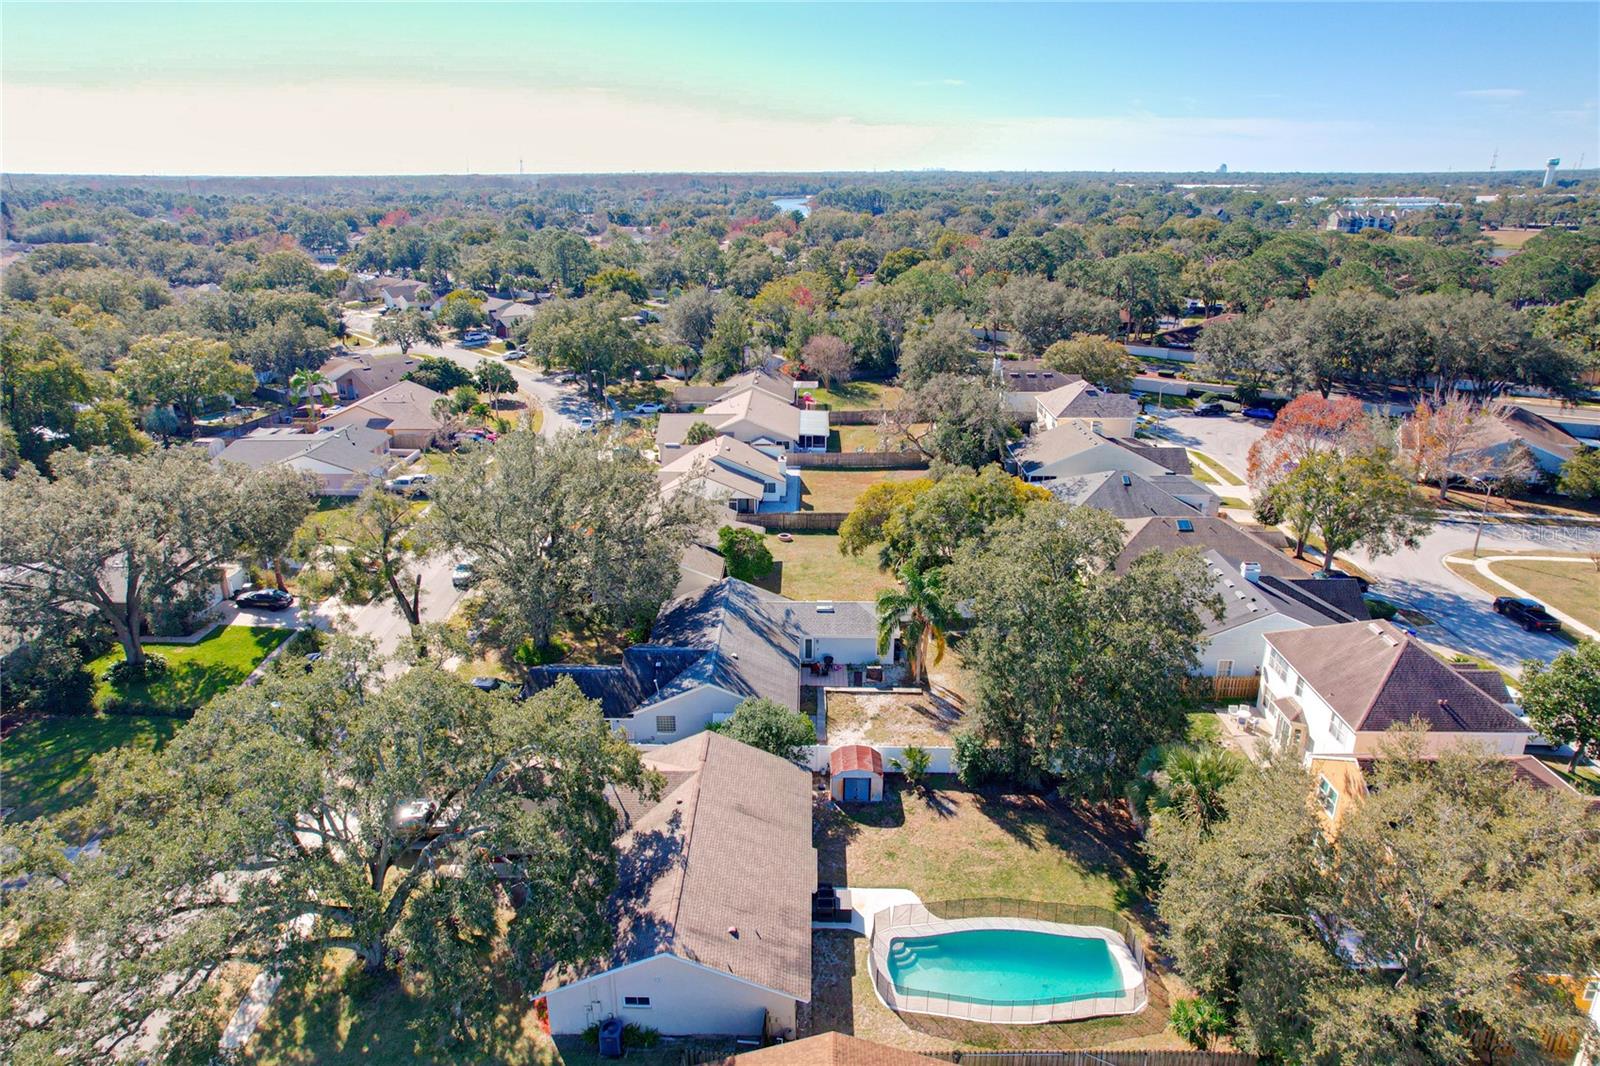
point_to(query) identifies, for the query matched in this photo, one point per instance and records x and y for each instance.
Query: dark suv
(1529, 614)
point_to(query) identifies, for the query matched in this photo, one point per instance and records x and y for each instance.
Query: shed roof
(855, 757)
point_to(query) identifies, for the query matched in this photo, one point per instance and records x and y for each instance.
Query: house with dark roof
(1336, 690)
(713, 906)
(357, 375)
(718, 645)
(1549, 444)
(1023, 381)
(1129, 495)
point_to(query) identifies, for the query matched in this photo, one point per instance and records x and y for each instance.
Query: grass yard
(1572, 588)
(811, 568)
(1211, 471)
(866, 439)
(856, 395)
(838, 490)
(195, 672)
(1586, 778)
(45, 763)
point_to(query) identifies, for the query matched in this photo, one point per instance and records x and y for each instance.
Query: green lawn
(45, 763)
(856, 395)
(811, 568)
(1572, 588)
(837, 490)
(196, 672)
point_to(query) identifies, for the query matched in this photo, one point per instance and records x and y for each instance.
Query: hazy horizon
(248, 90)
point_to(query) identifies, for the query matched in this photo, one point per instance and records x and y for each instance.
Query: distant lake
(786, 204)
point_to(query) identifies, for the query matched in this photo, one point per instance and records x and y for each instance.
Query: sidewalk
(1481, 565)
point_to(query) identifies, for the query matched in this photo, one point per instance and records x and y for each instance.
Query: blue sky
(423, 88)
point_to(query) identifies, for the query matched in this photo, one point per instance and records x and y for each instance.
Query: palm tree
(307, 385)
(1191, 781)
(918, 612)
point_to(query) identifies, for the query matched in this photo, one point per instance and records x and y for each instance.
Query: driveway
(382, 621)
(1465, 618)
(1225, 439)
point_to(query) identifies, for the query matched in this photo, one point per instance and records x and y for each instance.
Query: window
(666, 723)
(1340, 731)
(1224, 667)
(1278, 663)
(1591, 991)
(769, 486)
(808, 652)
(1299, 686)
(636, 1002)
(1327, 795)
(1185, 526)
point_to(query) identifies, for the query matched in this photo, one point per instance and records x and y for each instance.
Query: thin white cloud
(1492, 94)
(952, 82)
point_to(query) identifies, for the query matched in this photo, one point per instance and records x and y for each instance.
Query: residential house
(404, 294)
(344, 461)
(728, 471)
(505, 318)
(1023, 381)
(718, 645)
(713, 911)
(756, 417)
(1110, 414)
(1342, 781)
(766, 379)
(1344, 221)
(1261, 591)
(1336, 690)
(1129, 495)
(1073, 449)
(1550, 445)
(357, 375)
(404, 411)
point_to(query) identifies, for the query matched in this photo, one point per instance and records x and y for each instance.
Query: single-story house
(1023, 381)
(855, 774)
(1073, 449)
(401, 294)
(357, 375)
(504, 319)
(722, 643)
(1550, 445)
(766, 379)
(713, 912)
(754, 416)
(1129, 495)
(344, 460)
(1111, 414)
(1336, 690)
(727, 470)
(403, 411)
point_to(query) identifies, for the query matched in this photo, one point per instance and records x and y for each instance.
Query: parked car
(487, 684)
(265, 599)
(1210, 410)
(585, 422)
(1266, 414)
(1529, 614)
(649, 408)
(463, 576)
(1166, 373)
(513, 354)
(410, 484)
(474, 339)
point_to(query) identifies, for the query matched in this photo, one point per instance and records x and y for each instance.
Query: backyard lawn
(811, 568)
(856, 395)
(960, 843)
(195, 672)
(45, 763)
(838, 490)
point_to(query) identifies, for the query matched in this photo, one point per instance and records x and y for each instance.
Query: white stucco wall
(860, 649)
(692, 709)
(685, 1000)
(1245, 644)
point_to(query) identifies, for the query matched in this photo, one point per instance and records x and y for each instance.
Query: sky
(417, 88)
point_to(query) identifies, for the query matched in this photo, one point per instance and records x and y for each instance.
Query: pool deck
(864, 905)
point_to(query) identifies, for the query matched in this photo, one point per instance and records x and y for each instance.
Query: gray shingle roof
(1127, 495)
(1375, 675)
(721, 871)
(752, 649)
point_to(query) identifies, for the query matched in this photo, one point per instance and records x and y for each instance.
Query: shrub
(699, 433)
(913, 763)
(639, 1036)
(772, 727)
(1197, 1021)
(124, 672)
(745, 553)
(530, 654)
(1382, 610)
(973, 760)
(45, 677)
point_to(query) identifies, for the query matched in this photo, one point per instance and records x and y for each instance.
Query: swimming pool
(1004, 966)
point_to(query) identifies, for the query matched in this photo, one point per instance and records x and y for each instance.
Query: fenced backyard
(901, 460)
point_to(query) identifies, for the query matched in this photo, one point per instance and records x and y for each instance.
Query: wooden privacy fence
(1094, 1058)
(1225, 688)
(798, 521)
(866, 416)
(902, 460)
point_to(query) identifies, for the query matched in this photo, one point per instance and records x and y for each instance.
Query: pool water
(1004, 966)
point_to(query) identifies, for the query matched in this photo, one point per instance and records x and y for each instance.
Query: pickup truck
(1529, 614)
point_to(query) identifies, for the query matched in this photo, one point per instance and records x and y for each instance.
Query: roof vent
(1127, 482)
(825, 608)
(1376, 629)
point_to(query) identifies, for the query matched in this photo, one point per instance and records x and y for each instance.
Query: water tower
(1550, 173)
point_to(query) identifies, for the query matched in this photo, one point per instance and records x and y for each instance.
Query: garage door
(857, 790)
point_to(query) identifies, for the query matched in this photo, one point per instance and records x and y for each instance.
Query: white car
(513, 354)
(410, 484)
(649, 408)
(585, 422)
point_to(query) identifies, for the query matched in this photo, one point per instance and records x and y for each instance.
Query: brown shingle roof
(1374, 676)
(721, 871)
(830, 1049)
